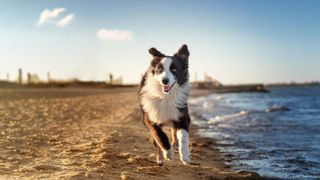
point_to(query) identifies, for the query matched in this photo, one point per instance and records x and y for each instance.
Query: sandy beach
(91, 134)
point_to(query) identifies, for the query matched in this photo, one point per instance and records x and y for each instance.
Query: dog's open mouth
(167, 88)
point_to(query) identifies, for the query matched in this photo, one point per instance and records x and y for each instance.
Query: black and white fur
(163, 94)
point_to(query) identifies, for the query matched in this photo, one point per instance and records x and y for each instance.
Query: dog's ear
(183, 52)
(155, 53)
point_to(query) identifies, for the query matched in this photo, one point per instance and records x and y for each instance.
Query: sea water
(275, 134)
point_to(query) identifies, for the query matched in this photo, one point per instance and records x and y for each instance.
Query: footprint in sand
(46, 168)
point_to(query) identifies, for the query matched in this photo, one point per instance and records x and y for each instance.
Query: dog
(163, 94)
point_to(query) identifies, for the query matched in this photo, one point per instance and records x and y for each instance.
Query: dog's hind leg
(174, 143)
(159, 155)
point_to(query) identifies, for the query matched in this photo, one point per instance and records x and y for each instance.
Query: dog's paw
(175, 146)
(168, 154)
(160, 162)
(160, 159)
(185, 157)
(185, 160)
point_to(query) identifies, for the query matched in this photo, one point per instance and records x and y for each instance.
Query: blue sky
(234, 41)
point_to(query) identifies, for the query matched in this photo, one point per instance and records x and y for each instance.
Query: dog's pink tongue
(166, 87)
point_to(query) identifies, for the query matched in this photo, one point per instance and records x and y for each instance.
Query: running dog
(163, 95)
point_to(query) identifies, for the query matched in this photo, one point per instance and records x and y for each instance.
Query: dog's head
(170, 71)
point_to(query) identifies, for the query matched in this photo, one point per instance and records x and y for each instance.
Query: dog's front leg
(183, 140)
(160, 138)
(182, 131)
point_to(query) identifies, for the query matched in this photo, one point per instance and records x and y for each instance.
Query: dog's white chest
(162, 110)
(166, 108)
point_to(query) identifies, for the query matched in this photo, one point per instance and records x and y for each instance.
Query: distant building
(207, 83)
(117, 81)
(111, 80)
(33, 78)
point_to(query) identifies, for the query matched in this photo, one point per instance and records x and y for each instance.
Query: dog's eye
(159, 69)
(173, 69)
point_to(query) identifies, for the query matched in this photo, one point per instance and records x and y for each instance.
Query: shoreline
(209, 143)
(92, 134)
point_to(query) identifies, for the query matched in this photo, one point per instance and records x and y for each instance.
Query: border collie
(163, 94)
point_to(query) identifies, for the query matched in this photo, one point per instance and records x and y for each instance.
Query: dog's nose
(165, 81)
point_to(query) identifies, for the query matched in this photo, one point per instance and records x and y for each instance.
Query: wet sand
(91, 134)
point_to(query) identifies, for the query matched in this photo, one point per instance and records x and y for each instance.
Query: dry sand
(90, 134)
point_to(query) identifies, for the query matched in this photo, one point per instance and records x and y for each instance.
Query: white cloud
(65, 21)
(48, 14)
(114, 34)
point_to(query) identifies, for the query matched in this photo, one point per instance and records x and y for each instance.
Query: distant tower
(195, 77)
(29, 78)
(20, 76)
(48, 77)
(110, 78)
(8, 77)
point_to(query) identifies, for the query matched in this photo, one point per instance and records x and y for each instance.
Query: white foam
(228, 117)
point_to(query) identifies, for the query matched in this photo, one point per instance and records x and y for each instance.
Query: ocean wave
(277, 108)
(228, 117)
